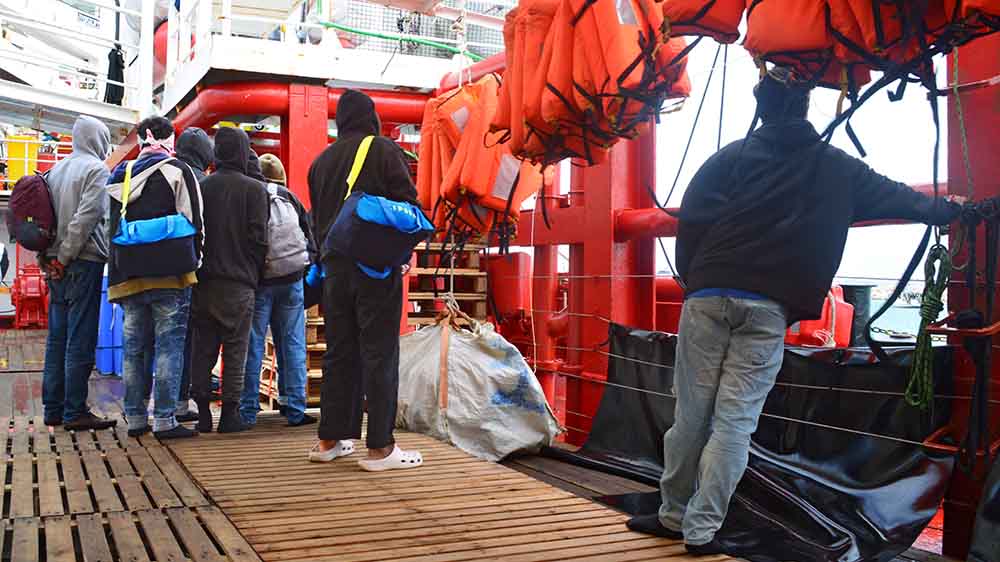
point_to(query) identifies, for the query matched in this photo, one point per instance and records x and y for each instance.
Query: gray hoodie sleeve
(93, 207)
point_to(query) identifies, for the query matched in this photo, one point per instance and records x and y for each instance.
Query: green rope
(395, 37)
(937, 272)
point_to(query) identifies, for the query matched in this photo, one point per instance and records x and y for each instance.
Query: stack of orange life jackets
(466, 175)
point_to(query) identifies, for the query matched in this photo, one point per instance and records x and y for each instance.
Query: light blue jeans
(155, 326)
(729, 352)
(281, 307)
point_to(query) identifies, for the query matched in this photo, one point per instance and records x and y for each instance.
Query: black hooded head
(232, 149)
(253, 167)
(356, 115)
(194, 148)
(780, 97)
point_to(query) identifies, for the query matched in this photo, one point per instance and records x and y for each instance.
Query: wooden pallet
(454, 508)
(269, 386)
(315, 332)
(175, 533)
(432, 279)
(101, 495)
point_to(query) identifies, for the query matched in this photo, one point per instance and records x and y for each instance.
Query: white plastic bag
(487, 402)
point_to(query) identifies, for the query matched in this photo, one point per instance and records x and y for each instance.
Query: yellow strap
(359, 162)
(127, 187)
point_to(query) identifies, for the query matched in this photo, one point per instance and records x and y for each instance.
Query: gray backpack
(286, 243)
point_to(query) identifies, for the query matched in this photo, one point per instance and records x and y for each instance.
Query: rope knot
(931, 307)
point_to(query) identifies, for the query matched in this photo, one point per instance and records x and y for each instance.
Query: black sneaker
(89, 421)
(306, 420)
(187, 417)
(650, 525)
(138, 432)
(711, 547)
(178, 432)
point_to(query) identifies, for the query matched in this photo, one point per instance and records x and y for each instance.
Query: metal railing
(46, 46)
(376, 28)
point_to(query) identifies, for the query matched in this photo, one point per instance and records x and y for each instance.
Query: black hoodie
(236, 212)
(771, 216)
(194, 148)
(385, 172)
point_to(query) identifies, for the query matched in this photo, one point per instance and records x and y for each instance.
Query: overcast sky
(899, 139)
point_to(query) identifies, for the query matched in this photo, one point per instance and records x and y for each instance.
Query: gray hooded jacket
(79, 196)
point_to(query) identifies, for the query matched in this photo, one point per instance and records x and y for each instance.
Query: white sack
(495, 405)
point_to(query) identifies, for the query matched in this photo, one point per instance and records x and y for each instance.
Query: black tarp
(986, 540)
(810, 493)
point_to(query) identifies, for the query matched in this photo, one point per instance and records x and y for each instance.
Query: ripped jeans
(155, 325)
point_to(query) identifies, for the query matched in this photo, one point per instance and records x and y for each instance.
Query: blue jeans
(729, 352)
(281, 306)
(155, 326)
(74, 311)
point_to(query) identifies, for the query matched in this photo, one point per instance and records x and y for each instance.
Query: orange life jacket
(718, 19)
(790, 33)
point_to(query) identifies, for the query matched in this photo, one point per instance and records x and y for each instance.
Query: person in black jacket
(761, 231)
(279, 303)
(194, 148)
(236, 213)
(152, 281)
(361, 314)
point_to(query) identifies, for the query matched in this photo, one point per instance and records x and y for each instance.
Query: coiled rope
(937, 272)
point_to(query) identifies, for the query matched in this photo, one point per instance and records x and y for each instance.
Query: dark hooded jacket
(160, 186)
(194, 148)
(385, 172)
(236, 211)
(254, 171)
(771, 216)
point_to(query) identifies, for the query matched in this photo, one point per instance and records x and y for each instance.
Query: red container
(510, 282)
(833, 329)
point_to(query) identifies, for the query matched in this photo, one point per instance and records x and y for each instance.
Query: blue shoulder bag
(149, 231)
(379, 234)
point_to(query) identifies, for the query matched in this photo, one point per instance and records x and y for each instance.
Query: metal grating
(364, 15)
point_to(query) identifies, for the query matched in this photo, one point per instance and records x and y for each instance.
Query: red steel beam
(634, 224)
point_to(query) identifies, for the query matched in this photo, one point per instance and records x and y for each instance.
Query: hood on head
(356, 114)
(195, 147)
(92, 137)
(253, 167)
(232, 149)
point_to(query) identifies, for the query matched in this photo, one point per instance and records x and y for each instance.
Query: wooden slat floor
(454, 508)
(94, 496)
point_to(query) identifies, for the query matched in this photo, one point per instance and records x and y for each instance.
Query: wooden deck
(453, 508)
(102, 496)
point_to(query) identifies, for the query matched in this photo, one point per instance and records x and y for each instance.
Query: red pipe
(634, 224)
(215, 103)
(496, 63)
(392, 107)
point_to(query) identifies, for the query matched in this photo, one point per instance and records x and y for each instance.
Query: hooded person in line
(152, 280)
(194, 148)
(279, 303)
(236, 217)
(74, 264)
(361, 313)
(762, 230)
